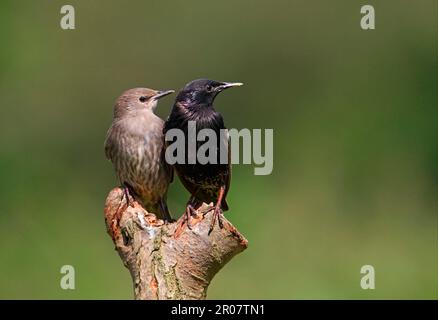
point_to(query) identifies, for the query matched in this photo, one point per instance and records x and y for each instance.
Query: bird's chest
(143, 157)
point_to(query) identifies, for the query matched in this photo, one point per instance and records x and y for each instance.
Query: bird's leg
(190, 211)
(127, 195)
(186, 218)
(166, 215)
(217, 213)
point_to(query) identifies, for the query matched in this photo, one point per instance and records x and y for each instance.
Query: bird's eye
(142, 99)
(209, 88)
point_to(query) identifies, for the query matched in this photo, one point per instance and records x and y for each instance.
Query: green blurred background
(354, 114)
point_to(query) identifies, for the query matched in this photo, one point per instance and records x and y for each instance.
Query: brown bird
(135, 145)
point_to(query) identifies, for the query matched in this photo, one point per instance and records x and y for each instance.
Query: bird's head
(136, 100)
(202, 92)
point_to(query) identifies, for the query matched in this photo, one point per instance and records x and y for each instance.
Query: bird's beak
(161, 94)
(226, 85)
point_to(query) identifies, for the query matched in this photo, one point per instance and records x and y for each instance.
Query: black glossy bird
(206, 182)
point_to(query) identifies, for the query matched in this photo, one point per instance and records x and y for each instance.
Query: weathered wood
(165, 264)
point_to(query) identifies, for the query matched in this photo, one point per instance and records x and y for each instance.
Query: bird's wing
(219, 123)
(216, 121)
(169, 168)
(229, 169)
(108, 144)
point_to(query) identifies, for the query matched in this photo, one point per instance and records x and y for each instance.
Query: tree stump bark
(165, 264)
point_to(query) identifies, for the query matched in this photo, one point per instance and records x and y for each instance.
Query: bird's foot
(169, 221)
(129, 198)
(185, 220)
(217, 215)
(211, 207)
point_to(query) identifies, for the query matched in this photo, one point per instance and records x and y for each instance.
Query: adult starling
(206, 182)
(135, 145)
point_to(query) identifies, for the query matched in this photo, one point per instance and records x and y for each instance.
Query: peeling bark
(165, 264)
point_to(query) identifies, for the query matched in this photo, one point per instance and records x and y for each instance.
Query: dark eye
(142, 99)
(209, 88)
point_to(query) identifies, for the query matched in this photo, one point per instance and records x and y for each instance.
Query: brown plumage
(135, 146)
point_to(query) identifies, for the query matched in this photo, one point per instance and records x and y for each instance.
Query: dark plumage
(205, 182)
(135, 145)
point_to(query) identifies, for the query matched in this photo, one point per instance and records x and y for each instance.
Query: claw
(217, 215)
(185, 220)
(205, 211)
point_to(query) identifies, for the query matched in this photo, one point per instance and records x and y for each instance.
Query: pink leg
(217, 214)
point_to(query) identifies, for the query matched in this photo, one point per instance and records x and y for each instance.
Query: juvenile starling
(205, 182)
(135, 145)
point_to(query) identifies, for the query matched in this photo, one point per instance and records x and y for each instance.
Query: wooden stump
(165, 264)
